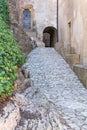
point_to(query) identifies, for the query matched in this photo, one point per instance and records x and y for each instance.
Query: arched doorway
(27, 19)
(50, 36)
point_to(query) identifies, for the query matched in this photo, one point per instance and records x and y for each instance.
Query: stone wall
(68, 53)
(72, 26)
(81, 71)
(25, 42)
(14, 9)
(73, 36)
(43, 14)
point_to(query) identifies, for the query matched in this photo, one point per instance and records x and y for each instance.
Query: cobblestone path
(57, 99)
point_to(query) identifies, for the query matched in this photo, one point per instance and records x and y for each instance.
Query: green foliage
(4, 11)
(10, 59)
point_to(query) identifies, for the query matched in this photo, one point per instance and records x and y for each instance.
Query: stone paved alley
(57, 99)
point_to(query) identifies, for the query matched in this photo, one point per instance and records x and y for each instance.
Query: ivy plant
(4, 11)
(10, 59)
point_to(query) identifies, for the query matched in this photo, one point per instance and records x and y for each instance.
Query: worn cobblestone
(58, 101)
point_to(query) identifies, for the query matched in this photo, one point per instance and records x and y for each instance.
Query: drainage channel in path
(58, 101)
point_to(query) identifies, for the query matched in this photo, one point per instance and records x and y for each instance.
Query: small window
(27, 19)
(69, 24)
(69, 32)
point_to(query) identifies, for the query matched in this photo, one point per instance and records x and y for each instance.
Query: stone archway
(27, 19)
(50, 36)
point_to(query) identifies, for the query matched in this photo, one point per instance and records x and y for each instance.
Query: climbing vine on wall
(10, 59)
(10, 54)
(4, 11)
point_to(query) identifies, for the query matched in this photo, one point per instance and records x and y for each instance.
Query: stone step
(72, 59)
(81, 72)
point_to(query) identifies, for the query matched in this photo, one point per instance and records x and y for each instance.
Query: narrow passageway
(58, 101)
(50, 36)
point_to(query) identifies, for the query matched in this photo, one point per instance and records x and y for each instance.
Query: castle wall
(73, 26)
(43, 13)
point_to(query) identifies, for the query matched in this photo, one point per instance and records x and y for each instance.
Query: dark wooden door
(26, 19)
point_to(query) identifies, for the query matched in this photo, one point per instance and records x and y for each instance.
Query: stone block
(21, 100)
(10, 117)
(69, 50)
(81, 72)
(59, 47)
(72, 59)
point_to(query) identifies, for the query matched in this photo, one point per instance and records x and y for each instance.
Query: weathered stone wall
(14, 10)
(42, 13)
(45, 14)
(73, 26)
(25, 42)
